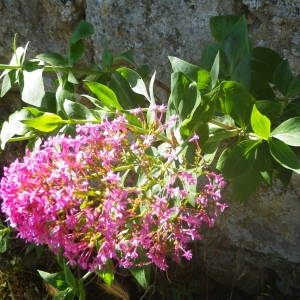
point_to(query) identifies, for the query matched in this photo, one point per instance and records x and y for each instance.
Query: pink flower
(105, 196)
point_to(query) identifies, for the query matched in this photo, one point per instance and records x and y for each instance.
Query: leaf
(104, 94)
(50, 278)
(8, 81)
(14, 126)
(282, 76)
(52, 58)
(69, 277)
(260, 87)
(221, 26)
(203, 81)
(238, 102)
(4, 239)
(189, 70)
(107, 276)
(215, 69)
(245, 185)
(107, 60)
(284, 155)
(269, 108)
(77, 111)
(32, 84)
(127, 98)
(75, 52)
(82, 30)
(288, 132)
(238, 159)
(294, 87)
(264, 62)
(261, 124)
(135, 81)
(184, 95)
(141, 275)
(45, 123)
(209, 54)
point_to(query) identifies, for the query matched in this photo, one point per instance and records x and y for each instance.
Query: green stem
(226, 127)
(22, 138)
(56, 69)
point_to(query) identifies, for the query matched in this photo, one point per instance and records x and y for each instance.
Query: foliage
(242, 102)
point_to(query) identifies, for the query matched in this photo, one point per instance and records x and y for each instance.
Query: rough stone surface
(261, 239)
(257, 242)
(45, 24)
(275, 24)
(154, 29)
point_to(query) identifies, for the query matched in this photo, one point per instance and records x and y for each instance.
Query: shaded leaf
(135, 81)
(282, 76)
(245, 185)
(52, 58)
(141, 275)
(238, 159)
(82, 30)
(189, 70)
(77, 111)
(294, 87)
(284, 155)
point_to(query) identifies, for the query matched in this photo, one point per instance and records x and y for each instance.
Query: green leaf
(245, 185)
(107, 60)
(82, 30)
(127, 98)
(141, 275)
(284, 155)
(135, 81)
(221, 26)
(208, 56)
(269, 108)
(4, 239)
(215, 70)
(288, 132)
(264, 62)
(75, 52)
(77, 111)
(107, 276)
(48, 277)
(104, 94)
(238, 102)
(237, 159)
(203, 81)
(184, 95)
(260, 87)
(189, 70)
(261, 124)
(70, 278)
(52, 58)
(45, 123)
(8, 81)
(294, 87)
(14, 126)
(32, 84)
(283, 76)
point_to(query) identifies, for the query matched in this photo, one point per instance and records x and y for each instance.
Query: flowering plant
(112, 195)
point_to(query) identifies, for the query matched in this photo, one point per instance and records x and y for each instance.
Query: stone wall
(256, 241)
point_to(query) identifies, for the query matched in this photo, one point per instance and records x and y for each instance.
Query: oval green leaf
(284, 155)
(288, 132)
(261, 124)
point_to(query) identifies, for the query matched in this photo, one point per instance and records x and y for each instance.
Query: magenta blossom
(102, 196)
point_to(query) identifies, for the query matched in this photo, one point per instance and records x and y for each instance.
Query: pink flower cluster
(102, 196)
